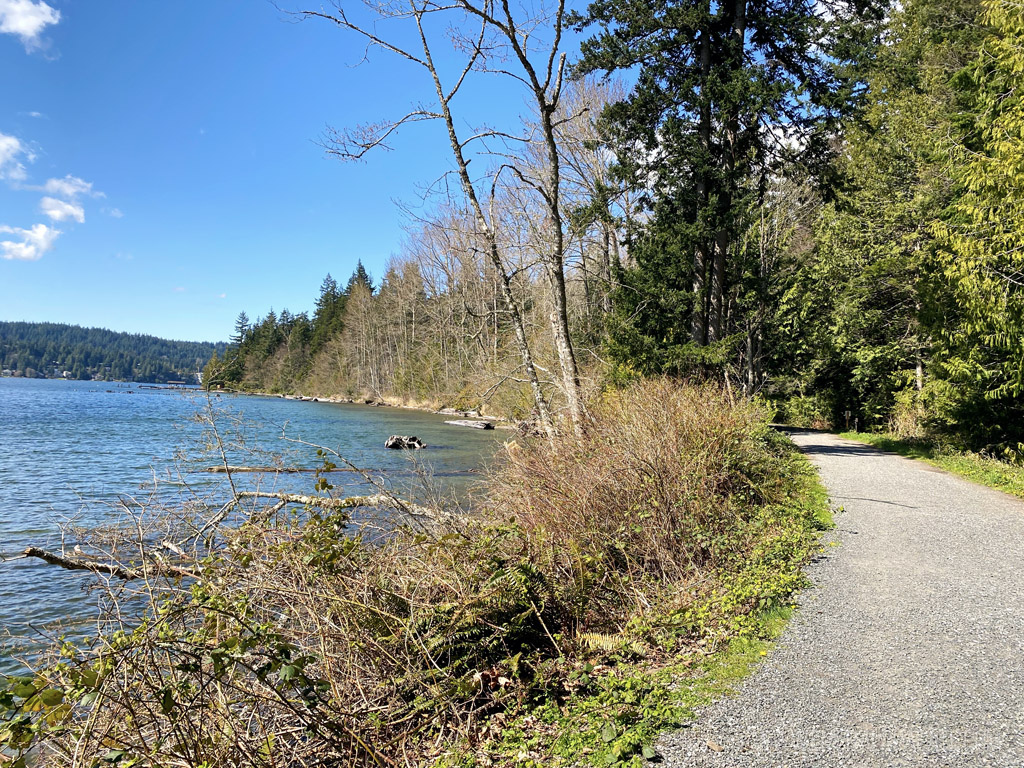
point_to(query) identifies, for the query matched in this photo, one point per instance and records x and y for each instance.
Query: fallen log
(470, 423)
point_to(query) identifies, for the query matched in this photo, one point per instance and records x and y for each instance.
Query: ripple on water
(69, 449)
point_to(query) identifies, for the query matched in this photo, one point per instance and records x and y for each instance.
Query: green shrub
(809, 411)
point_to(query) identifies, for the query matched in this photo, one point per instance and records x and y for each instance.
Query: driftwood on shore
(457, 412)
(470, 423)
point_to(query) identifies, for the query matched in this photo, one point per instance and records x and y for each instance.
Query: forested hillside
(54, 350)
(822, 209)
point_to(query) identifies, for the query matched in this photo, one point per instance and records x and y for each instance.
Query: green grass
(986, 471)
(623, 703)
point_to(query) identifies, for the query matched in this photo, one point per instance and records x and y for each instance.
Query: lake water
(69, 448)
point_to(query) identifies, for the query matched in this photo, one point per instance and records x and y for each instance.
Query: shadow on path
(851, 449)
(876, 501)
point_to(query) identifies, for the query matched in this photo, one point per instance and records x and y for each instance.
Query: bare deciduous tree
(490, 37)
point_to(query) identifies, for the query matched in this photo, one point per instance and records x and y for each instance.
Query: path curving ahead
(909, 650)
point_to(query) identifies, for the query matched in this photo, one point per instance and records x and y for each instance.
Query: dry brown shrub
(304, 641)
(662, 469)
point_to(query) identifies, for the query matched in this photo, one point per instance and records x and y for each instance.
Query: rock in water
(399, 442)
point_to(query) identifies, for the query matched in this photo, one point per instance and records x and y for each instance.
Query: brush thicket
(302, 643)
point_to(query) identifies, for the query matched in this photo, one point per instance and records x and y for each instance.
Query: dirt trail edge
(909, 649)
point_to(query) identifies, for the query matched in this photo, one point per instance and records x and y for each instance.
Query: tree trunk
(699, 321)
(607, 269)
(750, 385)
(490, 237)
(554, 264)
(716, 300)
(563, 345)
(698, 324)
(588, 289)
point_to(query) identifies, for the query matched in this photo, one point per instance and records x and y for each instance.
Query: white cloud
(12, 150)
(179, 289)
(27, 19)
(34, 242)
(70, 187)
(222, 296)
(114, 213)
(58, 210)
(36, 114)
(61, 201)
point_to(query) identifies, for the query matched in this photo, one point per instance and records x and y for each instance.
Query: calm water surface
(68, 447)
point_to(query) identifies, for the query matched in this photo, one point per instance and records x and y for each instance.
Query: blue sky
(159, 165)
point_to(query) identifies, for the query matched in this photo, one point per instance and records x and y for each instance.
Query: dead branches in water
(109, 569)
(217, 641)
(378, 501)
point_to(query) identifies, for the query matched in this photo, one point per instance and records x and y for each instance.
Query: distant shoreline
(497, 421)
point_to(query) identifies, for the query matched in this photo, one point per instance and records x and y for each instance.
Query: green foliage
(874, 269)
(812, 411)
(983, 241)
(909, 316)
(691, 139)
(29, 705)
(360, 279)
(328, 318)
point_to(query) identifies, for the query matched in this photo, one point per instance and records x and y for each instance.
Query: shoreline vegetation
(606, 586)
(985, 470)
(464, 417)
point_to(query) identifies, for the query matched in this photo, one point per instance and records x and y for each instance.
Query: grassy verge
(610, 584)
(987, 471)
(618, 703)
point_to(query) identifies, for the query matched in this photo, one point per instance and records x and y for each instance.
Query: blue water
(68, 450)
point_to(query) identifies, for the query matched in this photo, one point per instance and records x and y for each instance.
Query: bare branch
(342, 21)
(353, 144)
(110, 569)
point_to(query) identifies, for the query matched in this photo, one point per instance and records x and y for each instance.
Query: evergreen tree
(242, 328)
(982, 254)
(360, 277)
(327, 317)
(723, 91)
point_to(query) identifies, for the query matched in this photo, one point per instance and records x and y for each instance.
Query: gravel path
(909, 651)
